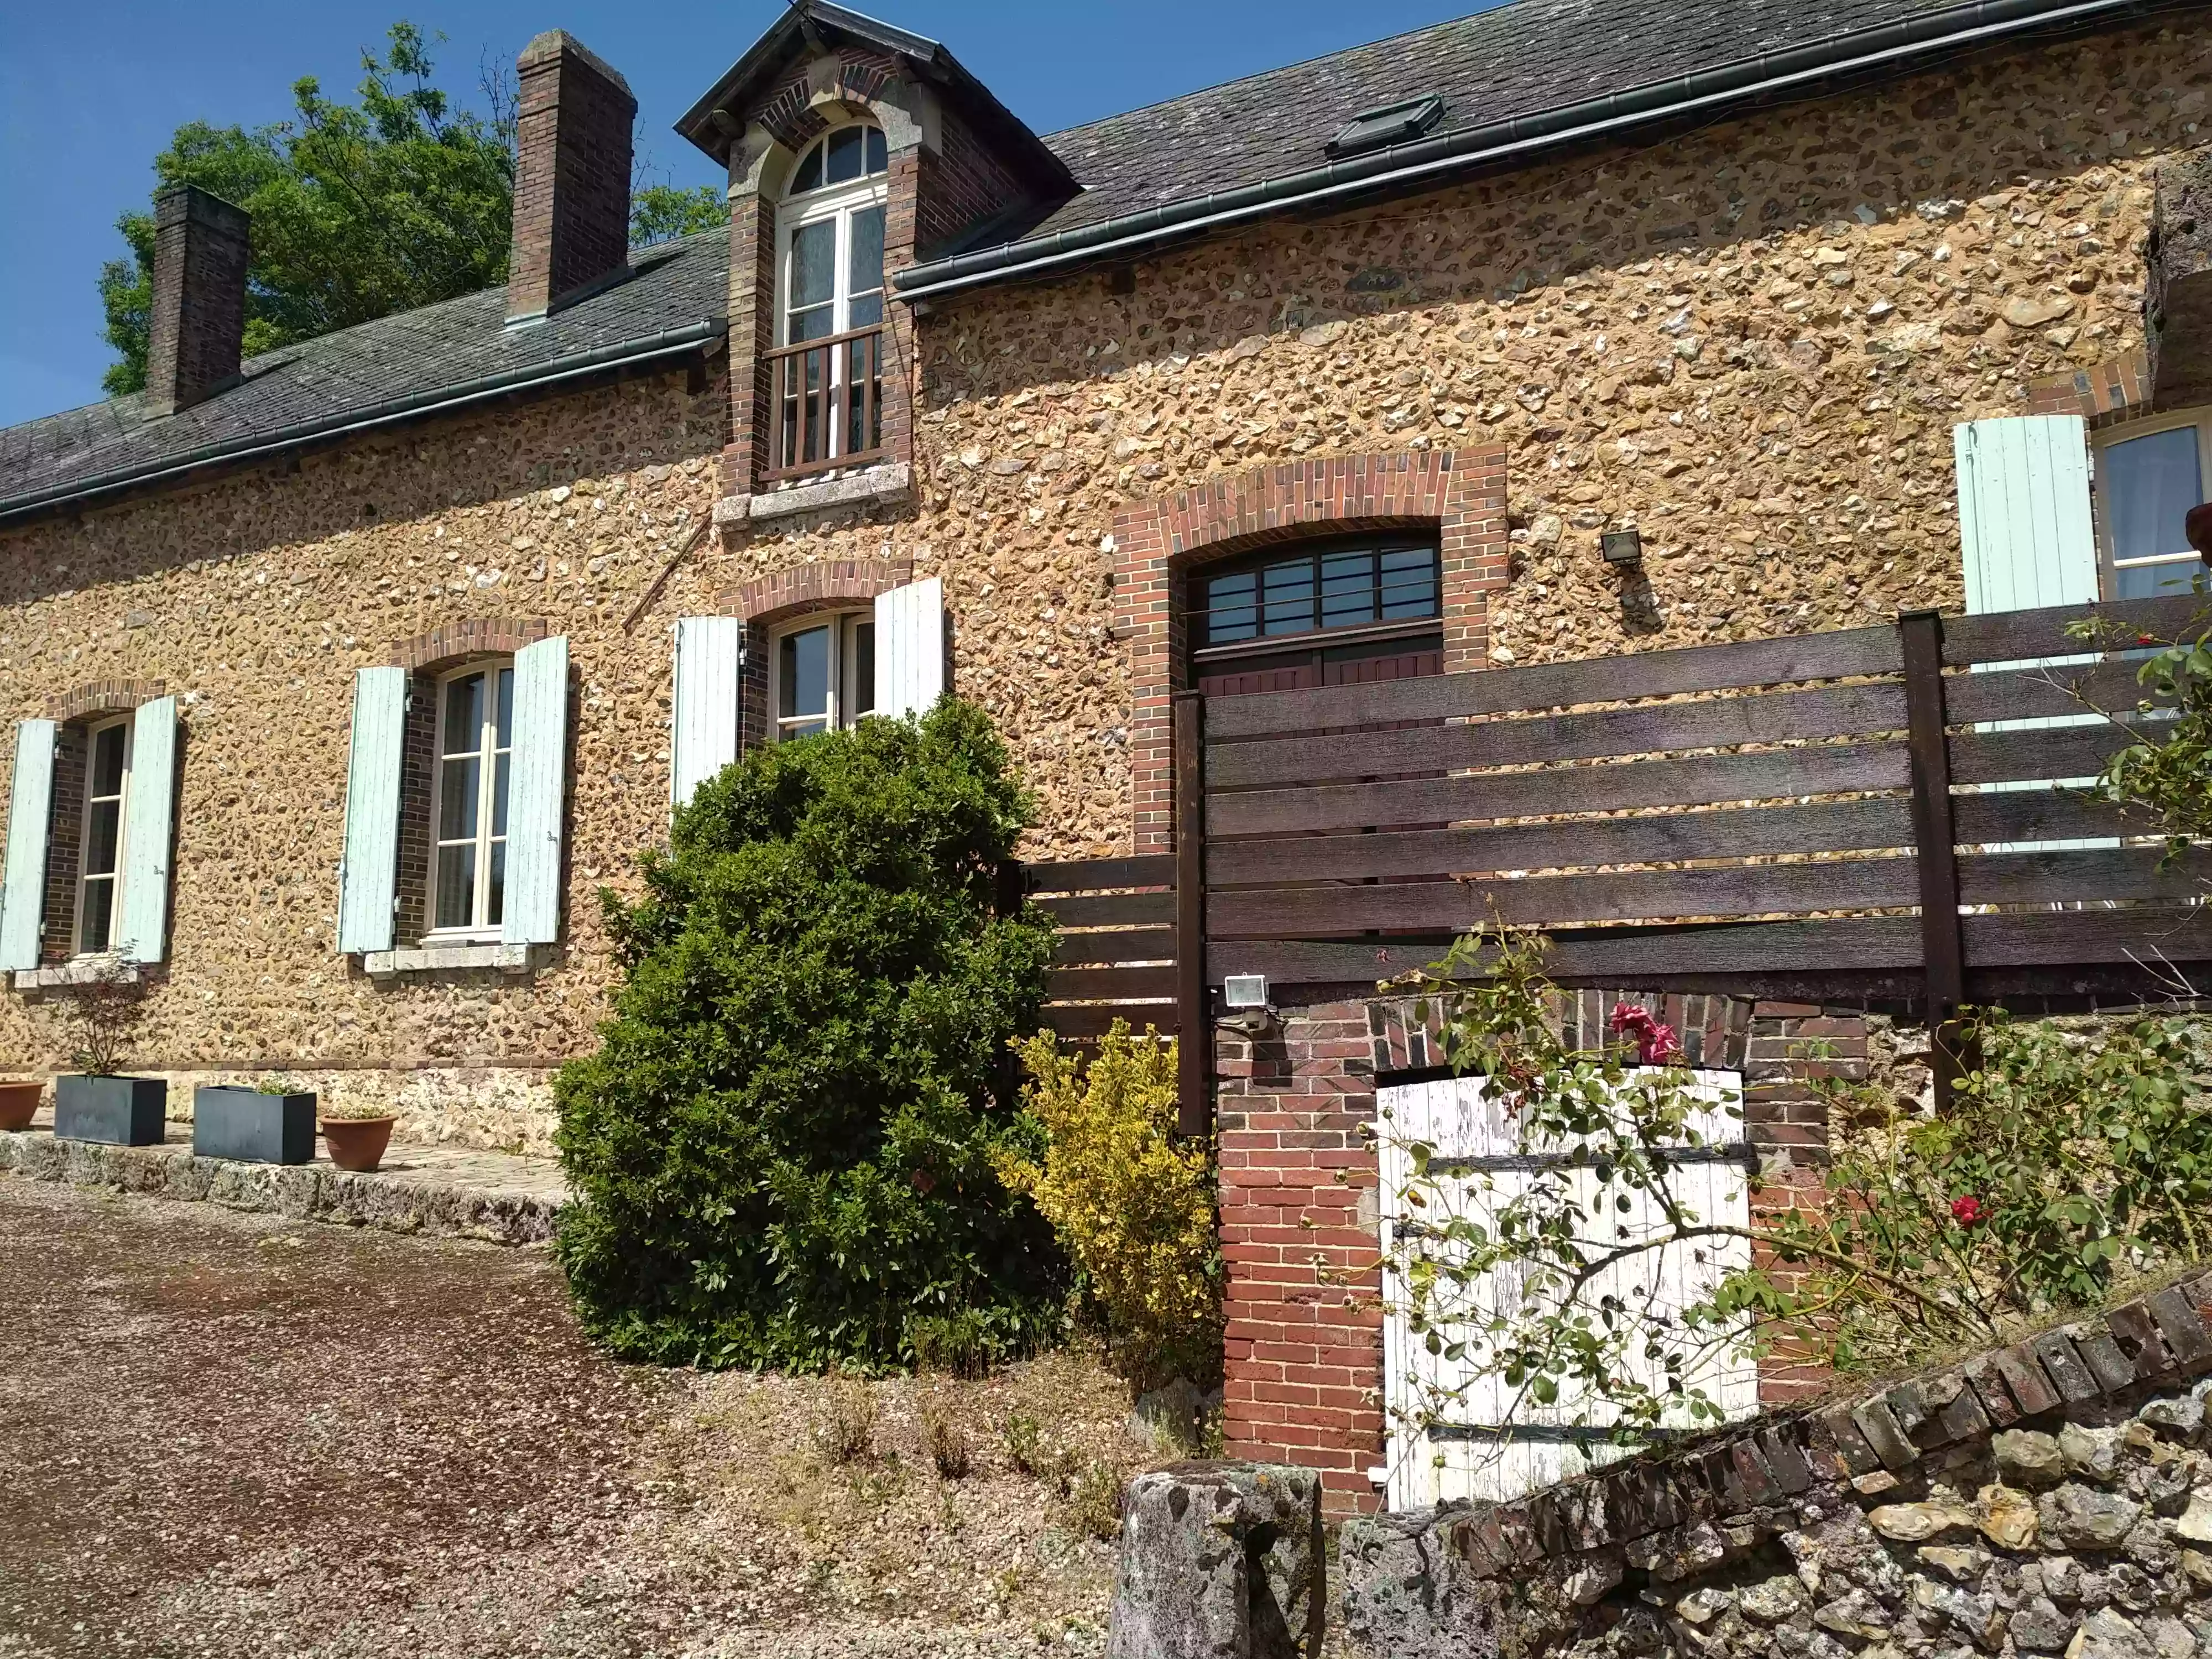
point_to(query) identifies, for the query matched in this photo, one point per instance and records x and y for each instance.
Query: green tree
(359, 210)
(784, 1150)
(661, 213)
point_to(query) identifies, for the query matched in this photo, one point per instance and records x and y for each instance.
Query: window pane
(878, 155)
(108, 762)
(848, 151)
(864, 668)
(2153, 581)
(103, 835)
(1409, 583)
(804, 674)
(464, 714)
(809, 176)
(864, 260)
(813, 264)
(1232, 610)
(1287, 597)
(2153, 483)
(498, 795)
(495, 900)
(457, 886)
(99, 913)
(456, 798)
(505, 707)
(1347, 589)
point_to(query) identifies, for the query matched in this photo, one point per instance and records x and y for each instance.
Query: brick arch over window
(782, 595)
(104, 697)
(1458, 494)
(474, 636)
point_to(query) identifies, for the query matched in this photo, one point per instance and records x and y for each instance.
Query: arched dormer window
(828, 364)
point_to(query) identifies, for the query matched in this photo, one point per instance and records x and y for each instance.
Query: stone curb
(304, 1192)
(1666, 1505)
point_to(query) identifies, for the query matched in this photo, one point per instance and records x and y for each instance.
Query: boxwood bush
(783, 1151)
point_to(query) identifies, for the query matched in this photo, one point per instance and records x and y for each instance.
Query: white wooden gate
(1453, 1434)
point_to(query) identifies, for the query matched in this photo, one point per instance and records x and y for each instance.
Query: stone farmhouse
(340, 679)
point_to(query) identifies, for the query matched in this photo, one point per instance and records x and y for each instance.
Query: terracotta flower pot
(17, 1101)
(356, 1143)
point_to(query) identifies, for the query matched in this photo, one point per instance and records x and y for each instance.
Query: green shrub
(783, 1150)
(1134, 1204)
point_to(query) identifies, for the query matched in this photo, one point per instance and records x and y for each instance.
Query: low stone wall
(2052, 1497)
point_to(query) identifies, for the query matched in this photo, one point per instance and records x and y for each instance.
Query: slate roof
(419, 356)
(1526, 59)
(1515, 59)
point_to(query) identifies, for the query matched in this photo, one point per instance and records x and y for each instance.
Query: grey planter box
(252, 1126)
(121, 1111)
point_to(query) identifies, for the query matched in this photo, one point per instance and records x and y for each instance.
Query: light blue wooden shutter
(150, 832)
(2024, 512)
(30, 804)
(369, 877)
(2029, 541)
(710, 654)
(535, 786)
(911, 647)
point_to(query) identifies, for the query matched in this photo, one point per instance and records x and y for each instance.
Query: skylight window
(1393, 124)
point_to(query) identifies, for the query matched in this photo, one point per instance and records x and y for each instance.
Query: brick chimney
(571, 175)
(198, 322)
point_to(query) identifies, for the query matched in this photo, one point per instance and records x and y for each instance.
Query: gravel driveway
(233, 1435)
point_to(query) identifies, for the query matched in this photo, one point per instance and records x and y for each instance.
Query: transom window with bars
(827, 366)
(1326, 614)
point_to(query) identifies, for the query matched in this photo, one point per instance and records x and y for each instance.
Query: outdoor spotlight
(1246, 995)
(1623, 548)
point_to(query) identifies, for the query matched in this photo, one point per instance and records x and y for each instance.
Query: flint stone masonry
(2076, 1533)
(1220, 1561)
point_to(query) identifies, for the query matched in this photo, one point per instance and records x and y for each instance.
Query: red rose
(1966, 1210)
(1655, 1041)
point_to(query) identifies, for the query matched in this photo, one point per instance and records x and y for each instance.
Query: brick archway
(1459, 494)
(455, 642)
(820, 585)
(104, 697)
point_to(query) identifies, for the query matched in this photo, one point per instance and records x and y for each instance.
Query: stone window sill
(85, 970)
(884, 485)
(447, 958)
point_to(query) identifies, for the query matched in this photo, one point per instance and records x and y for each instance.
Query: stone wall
(254, 600)
(2052, 1497)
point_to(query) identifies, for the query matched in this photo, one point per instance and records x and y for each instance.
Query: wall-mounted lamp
(1623, 548)
(1245, 995)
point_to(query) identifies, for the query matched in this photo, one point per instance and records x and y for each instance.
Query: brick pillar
(572, 158)
(1304, 1357)
(197, 325)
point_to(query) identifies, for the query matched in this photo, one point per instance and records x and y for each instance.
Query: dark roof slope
(676, 292)
(1515, 59)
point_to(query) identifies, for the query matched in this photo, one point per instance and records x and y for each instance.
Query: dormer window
(828, 363)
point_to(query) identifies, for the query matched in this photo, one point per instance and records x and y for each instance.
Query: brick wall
(1301, 1199)
(64, 845)
(963, 184)
(572, 142)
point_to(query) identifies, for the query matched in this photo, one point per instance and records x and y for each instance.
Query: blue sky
(91, 90)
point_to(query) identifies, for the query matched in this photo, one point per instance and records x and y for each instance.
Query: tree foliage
(359, 210)
(783, 1150)
(1134, 1204)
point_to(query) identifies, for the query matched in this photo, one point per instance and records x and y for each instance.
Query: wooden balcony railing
(827, 397)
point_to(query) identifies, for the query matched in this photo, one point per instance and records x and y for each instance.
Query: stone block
(2064, 1367)
(1220, 1560)
(1409, 1588)
(2177, 288)
(2183, 1327)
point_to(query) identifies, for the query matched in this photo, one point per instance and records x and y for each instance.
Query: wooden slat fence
(1115, 953)
(1752, 817)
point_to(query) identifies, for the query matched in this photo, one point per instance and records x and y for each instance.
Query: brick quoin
(1301, 1199)
(1457, 494)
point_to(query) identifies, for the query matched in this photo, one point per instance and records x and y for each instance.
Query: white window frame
(845, 694)
(479, 928)
(840, 203)
(2108, 561)
(126, 725)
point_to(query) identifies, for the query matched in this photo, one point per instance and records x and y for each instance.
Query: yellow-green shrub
(1134, 1206)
